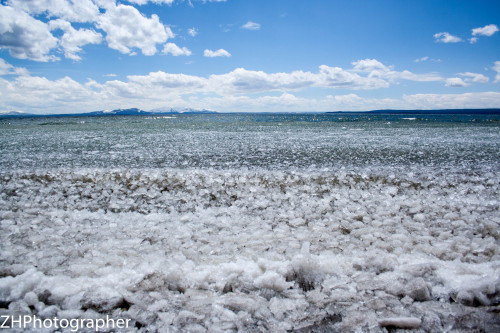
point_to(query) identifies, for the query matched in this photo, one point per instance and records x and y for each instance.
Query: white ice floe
(223, 250)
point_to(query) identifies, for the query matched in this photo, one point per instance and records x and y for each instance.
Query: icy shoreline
(225, 250)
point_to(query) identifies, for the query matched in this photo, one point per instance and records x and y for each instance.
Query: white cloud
(455, 82)
(474, 77)
(394, 76)
(369, 65)
(70, 10)
(105, 4)
(241, 80)
(336, 77)
(422, 59)
(192, 32)
(127, 28)
(381, 75)
(453, 101)
(350, 102)
(41, 95)
(158, 2)
(218, 53)
(235, 90)
(496, 68)
(24, 36)
(5, 68)
(473, 40)
(251, 26)
(445, 37)
(487, 30)
(175, 50)
(73, 39)
(168, 2)
(8, 69)
(426, 58)
(166, 80)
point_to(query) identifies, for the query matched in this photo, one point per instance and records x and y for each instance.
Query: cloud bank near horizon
(238, 90)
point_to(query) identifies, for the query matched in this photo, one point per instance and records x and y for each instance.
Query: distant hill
(177, 111)
(136, 111)
(15, 114)
(117, 112)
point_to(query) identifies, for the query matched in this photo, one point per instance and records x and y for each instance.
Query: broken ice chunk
(400, 322)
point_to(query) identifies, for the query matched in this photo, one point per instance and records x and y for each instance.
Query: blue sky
(248, 55)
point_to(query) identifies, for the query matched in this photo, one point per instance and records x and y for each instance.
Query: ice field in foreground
(254, 251)
(364, 241)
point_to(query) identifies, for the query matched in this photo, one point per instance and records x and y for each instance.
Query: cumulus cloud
(24, 36)
(70, 10)
(218, 53)
(41, 95)
(369, 65)
(72, 39)
(127, 28)
(168, 80)
(236, 89)
(455, 82)
(336, 77)
(241, 80)
(5, 68)
(445, 37)
(474, 77)
(381, 75)
(251, 26)
(176, 50)
(25, 32)
(105, 4)
(8, 69)
(487, 30)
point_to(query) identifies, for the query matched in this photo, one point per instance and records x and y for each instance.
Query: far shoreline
(139, 112)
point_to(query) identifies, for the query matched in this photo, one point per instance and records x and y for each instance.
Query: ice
(272, 280)
(101, 299)
(253, 250)
(401, 322)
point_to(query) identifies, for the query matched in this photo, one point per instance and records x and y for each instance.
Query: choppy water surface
(255, 141)
(261, 222)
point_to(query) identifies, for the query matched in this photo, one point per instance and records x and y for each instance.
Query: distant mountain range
(118, 112)
(170, 111)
